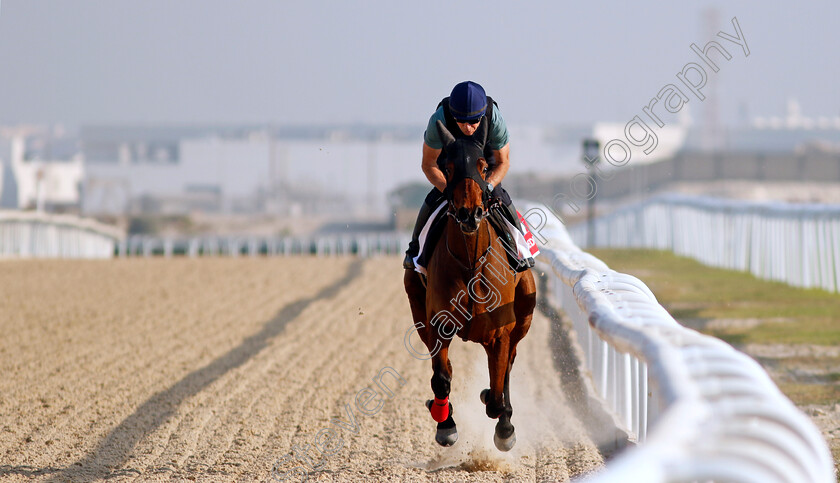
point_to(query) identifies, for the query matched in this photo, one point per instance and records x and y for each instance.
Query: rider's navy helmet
(468, 101)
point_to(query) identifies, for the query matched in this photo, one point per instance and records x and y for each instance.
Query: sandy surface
(215, 369)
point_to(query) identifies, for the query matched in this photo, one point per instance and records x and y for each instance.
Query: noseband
(485, 206)
(466, 168)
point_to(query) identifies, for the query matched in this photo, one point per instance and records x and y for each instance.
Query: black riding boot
(414, 244)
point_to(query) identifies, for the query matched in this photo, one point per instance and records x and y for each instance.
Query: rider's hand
(489, 190)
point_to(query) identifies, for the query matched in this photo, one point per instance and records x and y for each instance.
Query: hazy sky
(308, 61)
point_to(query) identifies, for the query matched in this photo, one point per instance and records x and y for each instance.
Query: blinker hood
(463, 153)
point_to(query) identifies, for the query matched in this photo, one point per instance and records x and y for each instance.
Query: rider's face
(469, 127)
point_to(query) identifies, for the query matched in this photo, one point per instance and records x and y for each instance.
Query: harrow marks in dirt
(221, 369)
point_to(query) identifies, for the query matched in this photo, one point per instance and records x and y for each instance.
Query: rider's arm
(502, 165)
(430, 167)
(432, 147)
(498, 140)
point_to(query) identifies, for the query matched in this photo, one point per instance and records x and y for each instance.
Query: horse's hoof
(446, 436)
(483, 396)
(503, 444)
(504, 437)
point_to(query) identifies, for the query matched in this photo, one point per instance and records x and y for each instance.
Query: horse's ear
(481, 132)
(445, 135)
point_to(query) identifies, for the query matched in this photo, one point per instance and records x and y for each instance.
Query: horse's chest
(479, 307)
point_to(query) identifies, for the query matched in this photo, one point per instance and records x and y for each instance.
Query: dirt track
(214, 369)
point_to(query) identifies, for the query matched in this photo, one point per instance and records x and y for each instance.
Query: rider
(462, 113)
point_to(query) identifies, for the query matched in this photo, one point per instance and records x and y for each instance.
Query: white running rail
(701, 410)
(798, 244)
(38, 235)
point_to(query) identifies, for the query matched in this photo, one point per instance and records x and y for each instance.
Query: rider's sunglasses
(474, 121)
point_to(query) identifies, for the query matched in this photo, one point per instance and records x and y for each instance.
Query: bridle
(472, 266)
(469, 170)
(465, 154)
(485, 211)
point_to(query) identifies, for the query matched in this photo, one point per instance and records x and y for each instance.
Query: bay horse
(470, 290)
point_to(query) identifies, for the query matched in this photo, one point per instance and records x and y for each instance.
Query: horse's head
(466, 170)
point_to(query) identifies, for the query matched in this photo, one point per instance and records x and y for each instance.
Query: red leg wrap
(440, 409)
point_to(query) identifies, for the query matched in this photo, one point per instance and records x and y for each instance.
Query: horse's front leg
(440, 407)
(505, 437)
(497, 398)
(497, 362)
(504, 355)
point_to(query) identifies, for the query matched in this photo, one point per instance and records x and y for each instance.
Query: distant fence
(700, 409)
(361, 244)
(794, 243)
(26, 234)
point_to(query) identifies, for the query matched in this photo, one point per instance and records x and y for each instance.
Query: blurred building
(41, 172)
(248, 169)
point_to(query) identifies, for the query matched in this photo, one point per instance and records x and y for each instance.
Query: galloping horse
(471, 291)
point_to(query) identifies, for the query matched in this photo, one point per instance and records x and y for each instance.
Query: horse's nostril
(478, 212)
(463, 214)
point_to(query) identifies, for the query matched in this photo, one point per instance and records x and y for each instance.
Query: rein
(472, 266)
(465, 330)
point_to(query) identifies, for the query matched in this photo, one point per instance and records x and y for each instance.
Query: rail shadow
(568, 362)
(113, 451)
